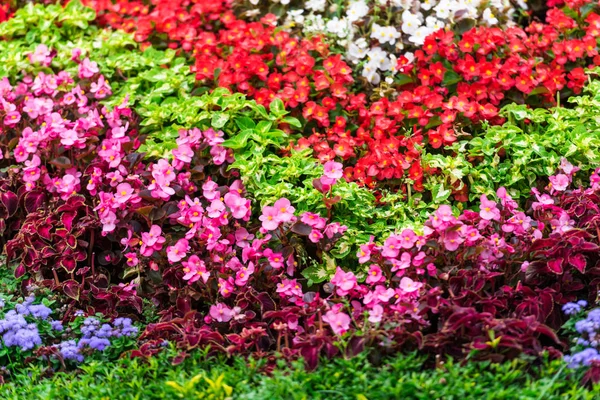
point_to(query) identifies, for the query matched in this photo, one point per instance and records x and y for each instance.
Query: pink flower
(132, 259)
(376, 314)
(332, 171)
(408, 238)
(242, 237)
(284, 209)
(151, 241)
(392, 246)
(41, 55)
(559, 183)
(339, 322)
(239, 206)
(375, 275)
(289, 288)
(226, 286)
(315, 236)
(243, 274)
(452, 240)
(567, 167)
(488, 208)
(12, 118)
(101, 89)
(407, 285)
(182, 155)
(178, 252)
(333, 229)
(195, 269)
(221, 313)
(88, 68)
(313, 220)
(275, 259)
(344, 281)
(269, 218)
(124, 193)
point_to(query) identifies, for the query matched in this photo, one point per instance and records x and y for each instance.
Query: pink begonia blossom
(239, 206)
(284, 209)
(407, 285)
(452, 240)
(242, 237)
(221, 313)
(289, 288)
(392, 246)
(559, 183)
(332, 171)
(182, 155)
(489, 210)
(132, 259)
(101, 88)
(407, 239)
(344, 281)
(471, 234)
(333, 229)
(339, 321)
(403, 263)
(376, 314)
(269, 218)
(12, 118)
(243, 274)
(41, 55)
(210, 190)
(276, 260)
(195, 269)
(375, 275)
(567, 167)
(216, 209)
(88, 68)
(179, 251)
(315, 236)
(313, 220)
(226, 286)
(151, 241)
(365, 250)
(542, 200)
(124, 193)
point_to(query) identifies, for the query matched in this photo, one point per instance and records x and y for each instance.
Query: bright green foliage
(399, 377)
(526, 149)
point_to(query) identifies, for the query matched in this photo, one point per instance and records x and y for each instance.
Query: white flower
(355, 53)
(434, 23)
(254, 2)
(442, 10)
(489, 17)
(370, 73)
(410, 22)
(391, 34)
(296, 16)
(357, 10)
(427, 4)
(339, 27)
(314, 23)
(284, 2)
(316, 5)
(418, 38)
(378, 58)
(389, 80)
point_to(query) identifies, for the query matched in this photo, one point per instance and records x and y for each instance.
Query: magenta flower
(101, 89)
(12, 118)
(452, 240)
(88, 68)
(226, 286)
(344, 281)
(195, 269)
(315, 236)
(220, 312)
(178, 252)
(132, 259)
(239, 206)
(488, 209)
(124, 193)
(289, 288)
(313, 220)
(243, 275)
(284, 209)
(392, 246)
(242, 237)
(375, 275)
(559, 183)
(151, 241)
(407, 238)
(339, 321)
(275, 259)
(269, 218)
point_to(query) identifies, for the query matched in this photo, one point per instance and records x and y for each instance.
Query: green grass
(399, 377)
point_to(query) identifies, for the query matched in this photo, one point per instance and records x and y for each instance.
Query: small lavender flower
(56, 325)
(90, 326)
(69, 350)
(124, 327)
(39, 311)
(79, 313)
(583, 358)
(99, 344)
(571, 308)
(105, 331)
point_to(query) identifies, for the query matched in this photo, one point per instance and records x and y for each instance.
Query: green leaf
(219, 119)
(245, 123)
(238, 141)
(277, 108)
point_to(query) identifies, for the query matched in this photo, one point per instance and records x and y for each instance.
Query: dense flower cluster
(19, 327)
(95, 337)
